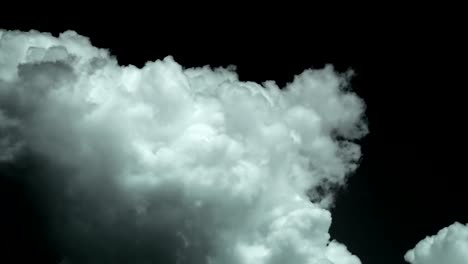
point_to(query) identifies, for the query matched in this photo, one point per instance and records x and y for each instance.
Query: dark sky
(412, 179)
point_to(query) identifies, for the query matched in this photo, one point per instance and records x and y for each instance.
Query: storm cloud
(166, 164)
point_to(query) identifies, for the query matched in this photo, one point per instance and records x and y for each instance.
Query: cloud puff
(449, 246)
(175, 165)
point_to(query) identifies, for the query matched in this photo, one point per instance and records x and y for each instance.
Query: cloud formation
(177, 165)
(449, 246)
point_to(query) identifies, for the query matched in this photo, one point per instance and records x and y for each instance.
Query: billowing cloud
(449, 246)
(164, 164)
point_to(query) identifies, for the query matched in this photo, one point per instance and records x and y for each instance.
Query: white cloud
(176, 165)
(449, 246)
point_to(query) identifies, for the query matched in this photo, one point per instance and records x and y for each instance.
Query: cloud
(176, 165)
(449, 246)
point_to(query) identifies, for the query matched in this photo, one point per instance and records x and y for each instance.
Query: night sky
(411, 181)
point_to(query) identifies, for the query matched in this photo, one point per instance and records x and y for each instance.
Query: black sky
(412, 180)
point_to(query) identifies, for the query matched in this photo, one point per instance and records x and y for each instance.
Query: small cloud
(448, 246)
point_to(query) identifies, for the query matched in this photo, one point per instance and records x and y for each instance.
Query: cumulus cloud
(449, 246)
(166, 164)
